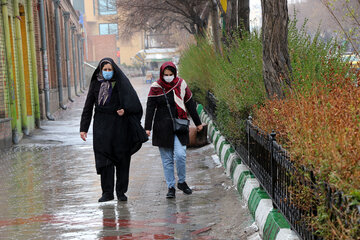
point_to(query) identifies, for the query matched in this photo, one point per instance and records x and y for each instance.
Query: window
(107, 7)
(108, 28)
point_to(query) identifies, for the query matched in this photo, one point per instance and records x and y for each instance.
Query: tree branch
(179, 9)
(352, 15)
(341, 26)
(187, 29)
(160, 14)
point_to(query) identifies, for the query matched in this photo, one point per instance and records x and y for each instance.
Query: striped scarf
(182, 93)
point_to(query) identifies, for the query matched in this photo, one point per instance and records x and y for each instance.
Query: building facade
(38, 72)
(102, 33)
(59, 55)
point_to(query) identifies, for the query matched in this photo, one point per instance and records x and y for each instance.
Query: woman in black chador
(117, 130)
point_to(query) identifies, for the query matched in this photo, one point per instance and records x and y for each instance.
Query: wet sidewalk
(49, 190)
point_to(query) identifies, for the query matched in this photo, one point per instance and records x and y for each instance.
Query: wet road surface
(49, 190)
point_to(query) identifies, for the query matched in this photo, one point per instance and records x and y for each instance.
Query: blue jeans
(168, 155)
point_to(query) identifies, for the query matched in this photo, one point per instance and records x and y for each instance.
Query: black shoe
(171, 193)
(184, 187)
(106, 197)
(122, 197)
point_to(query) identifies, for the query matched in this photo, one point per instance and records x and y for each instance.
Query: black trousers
(107, 175)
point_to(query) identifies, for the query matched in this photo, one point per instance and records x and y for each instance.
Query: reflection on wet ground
(49, 190)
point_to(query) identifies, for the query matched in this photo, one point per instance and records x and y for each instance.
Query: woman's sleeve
(150, 110)
(191, 107)
(88, 110)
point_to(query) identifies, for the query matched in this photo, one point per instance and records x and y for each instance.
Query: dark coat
(115, 137)
(163, 134)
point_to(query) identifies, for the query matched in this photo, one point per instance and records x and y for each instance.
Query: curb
(272, 224)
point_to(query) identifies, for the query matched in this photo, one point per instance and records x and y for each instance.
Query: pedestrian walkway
(49, 190)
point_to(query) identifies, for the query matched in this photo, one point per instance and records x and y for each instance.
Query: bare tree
(276, 60)
(236, 16)
(158, 15)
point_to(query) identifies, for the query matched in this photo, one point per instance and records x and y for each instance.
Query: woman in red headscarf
(172, 145)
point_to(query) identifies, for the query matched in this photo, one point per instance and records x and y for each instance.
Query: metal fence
(277, 174)
(271, 165)
(211, 105)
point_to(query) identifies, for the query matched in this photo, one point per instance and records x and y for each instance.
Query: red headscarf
(182, 93)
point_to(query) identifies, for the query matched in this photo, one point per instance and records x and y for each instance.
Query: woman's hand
(148, 132)
(199, 128)
(83, 135)
(120, 112)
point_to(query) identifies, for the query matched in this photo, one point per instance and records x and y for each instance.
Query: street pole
(58, 54)
(15, 125)
(43, 50)
(33, 63)
(78, 37)
(83, 60)
(73, 31)
(67, 17)
(20, 67)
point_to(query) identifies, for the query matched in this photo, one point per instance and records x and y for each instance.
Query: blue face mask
(107, 74)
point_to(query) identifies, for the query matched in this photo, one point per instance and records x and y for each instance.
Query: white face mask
(168, 78)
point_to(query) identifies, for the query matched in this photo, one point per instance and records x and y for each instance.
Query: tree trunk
(215, 26)
(230, 20)
(243, 15)
(276, 60)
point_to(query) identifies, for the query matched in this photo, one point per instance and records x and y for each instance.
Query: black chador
(116, 137)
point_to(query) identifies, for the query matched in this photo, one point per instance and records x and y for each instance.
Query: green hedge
(236, 77)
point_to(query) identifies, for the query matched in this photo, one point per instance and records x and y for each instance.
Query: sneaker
(184, 187)
(171, 193)
(122, 197)
(106, 197)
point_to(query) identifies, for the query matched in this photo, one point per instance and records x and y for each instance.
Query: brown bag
(198, 139)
